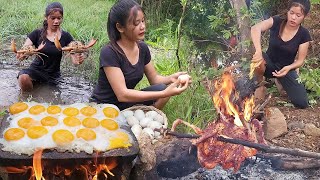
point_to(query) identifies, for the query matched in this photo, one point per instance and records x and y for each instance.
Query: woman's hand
(284, 71)
(174, 77)
(77, 58)
(257, 57)
(175, 88)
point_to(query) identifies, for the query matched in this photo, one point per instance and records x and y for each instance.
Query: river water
(73, 88)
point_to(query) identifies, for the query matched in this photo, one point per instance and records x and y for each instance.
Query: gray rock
(312, 130)
(296, 125)
(275, 123)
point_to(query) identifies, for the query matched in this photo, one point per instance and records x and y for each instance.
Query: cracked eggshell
(151, 114)
(136, 129)
(127, 113)
(144, 122)
(154, 124)
(132, 120)
(149, 131)
(139, 114)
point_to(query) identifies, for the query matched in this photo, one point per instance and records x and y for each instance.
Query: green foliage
(310, 77)
(2, 113)
(315, 1)
(164, 36)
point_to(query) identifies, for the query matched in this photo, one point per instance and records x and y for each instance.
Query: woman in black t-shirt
(46, 68)
(125, 60)
(288, 47)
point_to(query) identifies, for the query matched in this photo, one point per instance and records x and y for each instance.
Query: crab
(28, 50)
(74, 46)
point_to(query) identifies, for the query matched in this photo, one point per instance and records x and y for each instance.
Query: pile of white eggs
(145, 122)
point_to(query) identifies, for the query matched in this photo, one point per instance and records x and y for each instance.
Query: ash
(252, 169)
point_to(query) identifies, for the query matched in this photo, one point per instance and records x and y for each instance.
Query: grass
(86, 19)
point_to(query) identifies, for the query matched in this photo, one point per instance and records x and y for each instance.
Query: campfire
(234, 122)
(91, 169)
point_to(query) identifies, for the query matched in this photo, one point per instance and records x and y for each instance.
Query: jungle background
(200, 37)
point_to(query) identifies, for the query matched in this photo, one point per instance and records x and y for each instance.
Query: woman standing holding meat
(288, 47)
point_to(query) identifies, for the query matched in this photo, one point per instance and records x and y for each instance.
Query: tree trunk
(243, 25)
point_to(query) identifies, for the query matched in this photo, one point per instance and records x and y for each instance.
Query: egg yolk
(88, 111)
(62, 137)
(72, 121)
(18, 107)
(121, 141)
(13, 134)
(53, 109)
(37, 109)
(36, 132)
(26, 122)
(71, 111)
(90, 122)
(49, 121)
(86, 134)
(110, 112)
(109, 124)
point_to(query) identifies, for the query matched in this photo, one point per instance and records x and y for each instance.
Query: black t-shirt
(283, 53)
(103, 92)
(50, 64)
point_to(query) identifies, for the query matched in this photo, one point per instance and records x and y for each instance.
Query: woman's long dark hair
(51, 8)
(303, 4)
(120, 13)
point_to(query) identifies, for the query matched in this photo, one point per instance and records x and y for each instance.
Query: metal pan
(12, 159)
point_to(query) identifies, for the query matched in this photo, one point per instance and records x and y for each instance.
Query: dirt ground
(296, 138)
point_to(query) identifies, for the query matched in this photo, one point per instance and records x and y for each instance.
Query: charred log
(174, 158)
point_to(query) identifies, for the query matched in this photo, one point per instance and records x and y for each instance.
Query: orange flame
(224, 97)
(91, 170)
(37, 167)
(248, 108)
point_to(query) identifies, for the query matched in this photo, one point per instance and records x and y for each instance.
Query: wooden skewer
(261, 147)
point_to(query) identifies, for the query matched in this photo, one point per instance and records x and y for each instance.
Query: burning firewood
(235, 122)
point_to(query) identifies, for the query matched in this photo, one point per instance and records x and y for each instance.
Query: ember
(235, 121)
(90, 170)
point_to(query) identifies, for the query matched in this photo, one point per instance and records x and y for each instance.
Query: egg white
(28, 146)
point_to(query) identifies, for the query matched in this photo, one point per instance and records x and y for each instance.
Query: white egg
(132, 120)
(149, 131)
(139, 114)
(127, 113)
(157, 134)
(151, 114)
(154, 125)
(159, 119)
(136, 129)
(144, 122)
(183, 78)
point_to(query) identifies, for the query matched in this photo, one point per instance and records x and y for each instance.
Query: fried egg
(109, 124)
(18, 107)
(110, 111)
(77, 127)
(53, 109)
